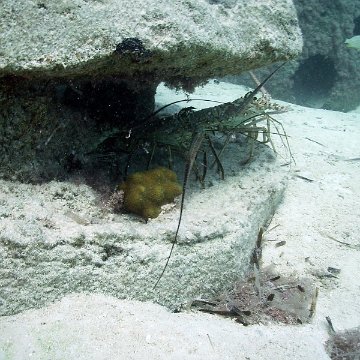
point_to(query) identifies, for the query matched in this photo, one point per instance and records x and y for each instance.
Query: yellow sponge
(145, 192)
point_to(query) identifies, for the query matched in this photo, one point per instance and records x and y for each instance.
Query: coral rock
(145, 192)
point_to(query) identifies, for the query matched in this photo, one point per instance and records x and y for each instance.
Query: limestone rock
(198, 39)
(326, 74)
(74, 72)
(56, 238)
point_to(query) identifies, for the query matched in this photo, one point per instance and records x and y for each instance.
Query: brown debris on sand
(282, 299)
(344, 345)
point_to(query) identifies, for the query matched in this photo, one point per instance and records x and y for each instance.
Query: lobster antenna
(197, 140)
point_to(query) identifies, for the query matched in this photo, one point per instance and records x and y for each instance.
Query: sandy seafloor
(314, 218)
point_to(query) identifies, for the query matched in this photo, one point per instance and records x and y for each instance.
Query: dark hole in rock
(111, 108)
(110, 102)
(314, 80)
(356, 26)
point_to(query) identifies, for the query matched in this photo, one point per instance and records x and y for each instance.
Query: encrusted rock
(169, 40)
(325, 75)
(72, 74)
(56, 239)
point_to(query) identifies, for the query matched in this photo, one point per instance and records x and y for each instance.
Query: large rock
(326, 74)
(197, 39)
(73, 73)
(56, 238)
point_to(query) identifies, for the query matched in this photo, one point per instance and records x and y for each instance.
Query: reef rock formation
(72, 75)
(169, 40)
(327, 74)
(55, 239)
(72, 71)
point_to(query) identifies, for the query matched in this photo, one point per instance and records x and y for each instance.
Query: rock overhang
(182, 39)
(182, 43)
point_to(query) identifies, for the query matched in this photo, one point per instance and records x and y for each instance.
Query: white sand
(312, 220)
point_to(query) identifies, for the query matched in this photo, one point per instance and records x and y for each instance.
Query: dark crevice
(356, 26)
(314, 80)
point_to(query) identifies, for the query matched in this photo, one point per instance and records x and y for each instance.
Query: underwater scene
(179, 179)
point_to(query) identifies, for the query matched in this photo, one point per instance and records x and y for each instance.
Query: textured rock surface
(64, 89)
(327, 73)
(50, 129)
(56, 239)
(71, 72)
(181, 38)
